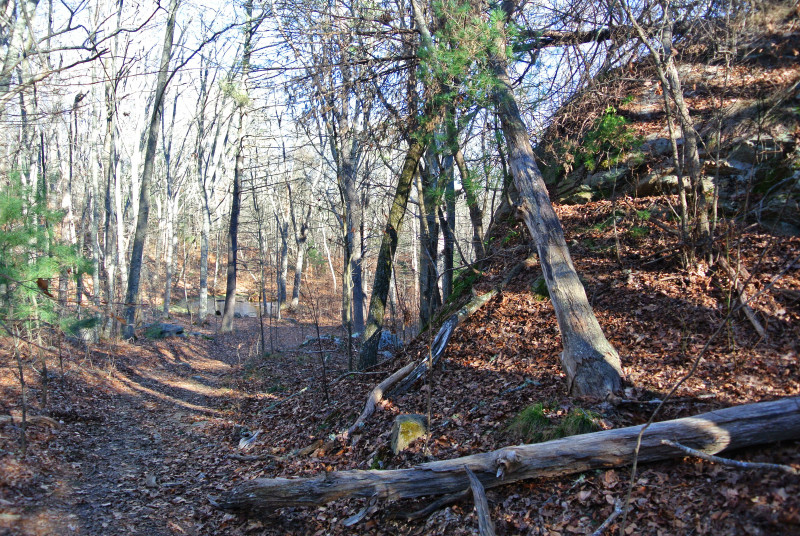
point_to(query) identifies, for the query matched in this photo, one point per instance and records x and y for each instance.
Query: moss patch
(538, 423)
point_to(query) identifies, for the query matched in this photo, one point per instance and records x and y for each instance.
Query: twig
(732, 463)
(254, 458)
(355, 373)
(26, 341)
(733, 275)
(664, 227)
(279, 402)
(609, 520)
(700, 399)
(370, 508)
(520, 387)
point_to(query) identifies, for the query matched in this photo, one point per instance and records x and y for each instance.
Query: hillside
(143, 437)
(155, 425)
(742, 89)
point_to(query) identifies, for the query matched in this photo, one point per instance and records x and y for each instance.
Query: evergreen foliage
(607, 142)
(30, 256)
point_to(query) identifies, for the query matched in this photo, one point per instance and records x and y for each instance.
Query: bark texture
(383, 269)
(590, 362)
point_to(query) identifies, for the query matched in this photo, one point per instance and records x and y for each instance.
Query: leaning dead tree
(442, 338)
(713, 432)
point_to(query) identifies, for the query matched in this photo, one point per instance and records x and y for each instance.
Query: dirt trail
(132, 465)
(141, 454)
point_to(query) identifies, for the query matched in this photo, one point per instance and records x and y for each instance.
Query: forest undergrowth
(140, 435)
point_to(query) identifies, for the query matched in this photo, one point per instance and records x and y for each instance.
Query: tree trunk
(355, 223)
(283, 268)
(448, 228)
(725, 429)
(328, 256)
(383, 269)
(475, 212)
(206, 180)
(226, 324)
(171, 240)
(95, 156)
(691, 158)
(671, 84)
(590, 362)
(111, 263)
(205, 232)
(300, 241)
(137, 255)
(429, 298)
(171, 201)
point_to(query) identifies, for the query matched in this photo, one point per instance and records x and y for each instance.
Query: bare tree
(209, 149)
(233, 230)
(132, 294)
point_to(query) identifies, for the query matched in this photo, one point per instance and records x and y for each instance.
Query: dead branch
(253, 458)
(31, 419)
(403, 379)
(376, 396)
(742, 294)
(279, 402)
(448, 326)
(485, 525)
(434, 506)
(731, 463)
(609, 520)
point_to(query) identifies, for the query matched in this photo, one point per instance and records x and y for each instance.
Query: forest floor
(148, 431)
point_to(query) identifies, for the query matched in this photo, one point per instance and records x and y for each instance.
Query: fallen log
(713, 432)
(31, 419)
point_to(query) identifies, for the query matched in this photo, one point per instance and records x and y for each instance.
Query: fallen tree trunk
(30, 419)
(713, 432)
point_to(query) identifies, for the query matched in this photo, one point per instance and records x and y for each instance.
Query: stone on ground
(406, 429)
